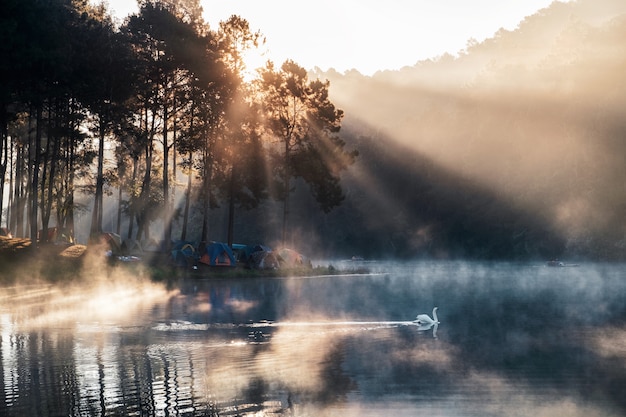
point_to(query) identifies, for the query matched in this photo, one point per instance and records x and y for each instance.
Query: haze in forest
(511, 149)
(533, 117)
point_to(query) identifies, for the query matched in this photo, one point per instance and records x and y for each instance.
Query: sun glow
(365, 35)
(254, 59)
(107, 295)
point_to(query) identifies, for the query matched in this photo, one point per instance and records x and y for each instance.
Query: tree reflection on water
(513, 340)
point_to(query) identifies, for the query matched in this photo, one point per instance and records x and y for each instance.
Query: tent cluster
(190, 254)
(187, 254)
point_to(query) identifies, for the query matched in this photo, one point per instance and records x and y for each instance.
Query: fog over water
(524, 131)
(514, 339)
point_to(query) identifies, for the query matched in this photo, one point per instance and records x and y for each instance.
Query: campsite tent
(262, 259)
(243, 253)
(184, 253)
(132, 247)
(217, 254)
(256, 256)
(113, 241)
(290, 258)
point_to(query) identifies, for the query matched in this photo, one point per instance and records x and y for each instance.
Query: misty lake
(513, 340)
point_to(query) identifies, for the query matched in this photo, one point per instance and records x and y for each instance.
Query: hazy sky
(367, 35)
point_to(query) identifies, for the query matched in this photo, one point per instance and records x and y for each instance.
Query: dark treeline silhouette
(92, 108)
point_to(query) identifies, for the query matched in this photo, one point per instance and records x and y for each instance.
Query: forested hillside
(515, 148)
(100, 119)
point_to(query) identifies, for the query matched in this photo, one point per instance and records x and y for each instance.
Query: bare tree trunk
(285, 214)
(12, 175)
(96, 214)
(52, 161)
(206, 204)
(231, 208)
(183, 235)
(286, 183)
(208, 170)
(17, 213)
(69, 220)
(119, 209)
(4, 156)
(174, 163)
(44, 177)
(35, 152)
(167, 215)
(133, 198)
(144, 196)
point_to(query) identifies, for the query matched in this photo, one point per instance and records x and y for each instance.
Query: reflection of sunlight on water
(8, 342)
(97, 368)
(42, 324)
(610, 343)
(443, 357)
(511, 343)
(104, 302)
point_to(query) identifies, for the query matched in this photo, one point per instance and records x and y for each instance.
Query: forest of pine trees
(512, 149)
(95, 108)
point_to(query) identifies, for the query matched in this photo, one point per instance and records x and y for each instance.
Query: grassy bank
(21, 260)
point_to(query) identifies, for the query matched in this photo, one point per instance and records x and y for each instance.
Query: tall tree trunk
(71, 160)
(51, 160)
(206, 188)
(12, 175)
(144, 195)
(17, 213)
(286, 183)
(174, 162)
(133, 198)
(231, 208)
(118, 227)
(183, 235)
(69, 219)
(96, 214)
(35, 153)
(167, 216)
(54, 161)
(44, 178)
(4, 155)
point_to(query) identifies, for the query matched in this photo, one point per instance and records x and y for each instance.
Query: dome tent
(217, 254)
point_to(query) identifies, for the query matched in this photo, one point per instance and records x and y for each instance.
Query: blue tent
(217, 254)
(184, 253)
(243, 253)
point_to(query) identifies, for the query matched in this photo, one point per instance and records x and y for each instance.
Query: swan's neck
(435, 315)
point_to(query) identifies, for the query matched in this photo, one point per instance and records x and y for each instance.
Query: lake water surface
(513, 340)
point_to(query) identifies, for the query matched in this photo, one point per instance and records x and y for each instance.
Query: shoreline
(20, 261)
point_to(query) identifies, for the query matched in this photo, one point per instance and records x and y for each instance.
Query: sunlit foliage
(127, 107)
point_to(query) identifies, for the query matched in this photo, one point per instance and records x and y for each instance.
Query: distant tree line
(89, 106)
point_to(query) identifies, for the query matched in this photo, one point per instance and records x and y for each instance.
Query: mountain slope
(514, 148)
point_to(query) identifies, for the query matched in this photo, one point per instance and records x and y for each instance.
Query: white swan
(424, 319)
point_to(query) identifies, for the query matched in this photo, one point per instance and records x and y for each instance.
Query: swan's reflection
(424, 322)
(424, 327)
